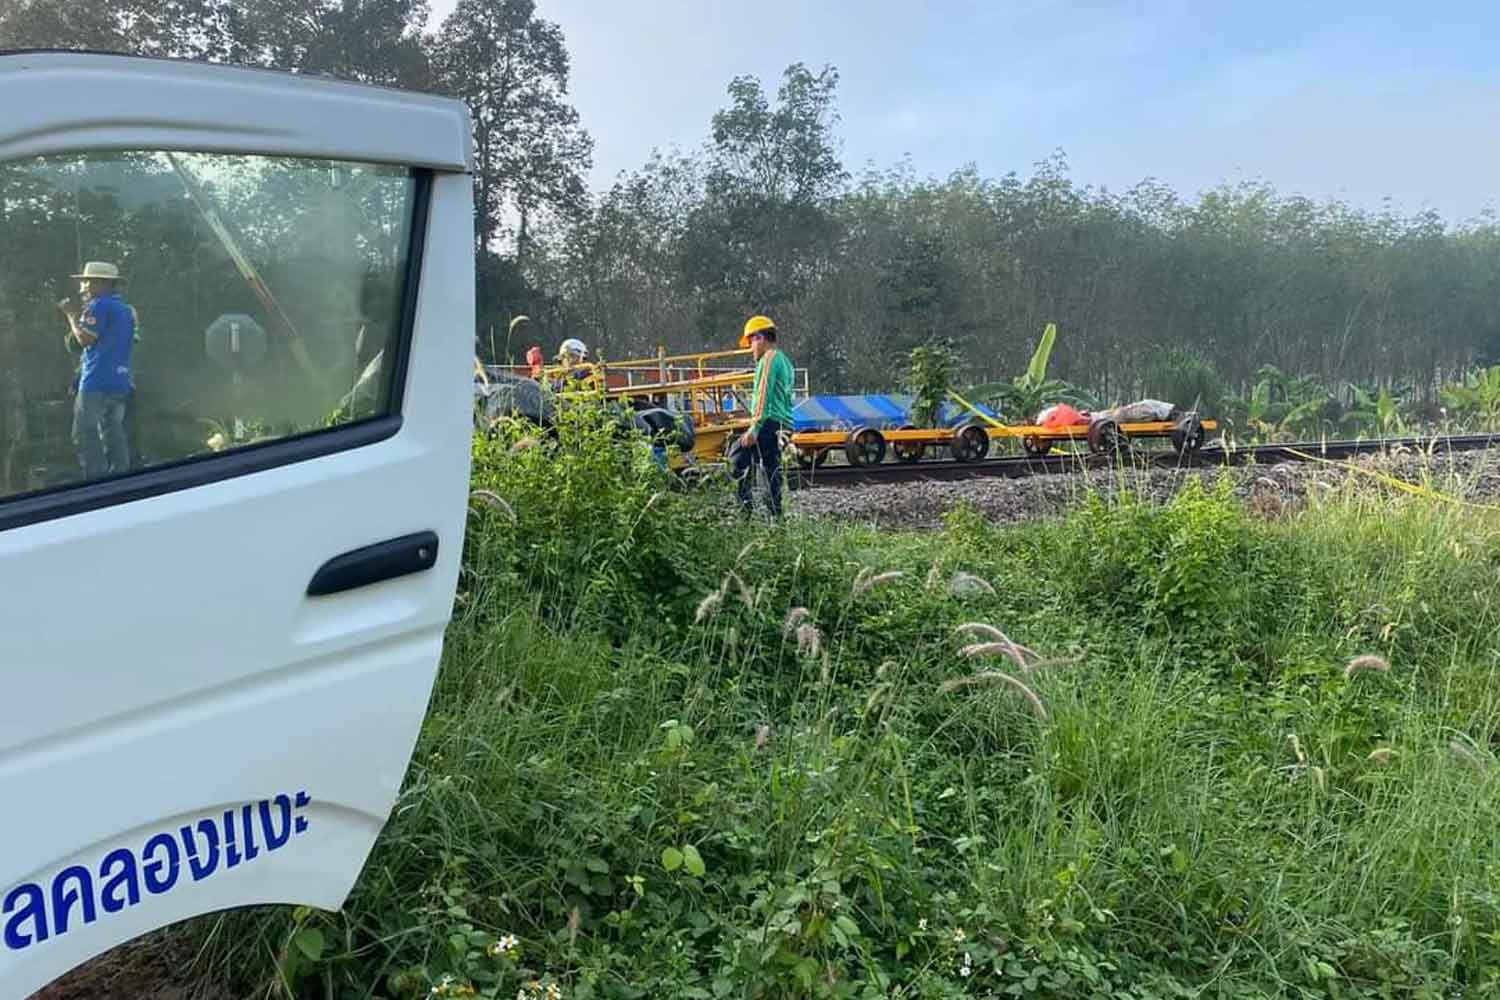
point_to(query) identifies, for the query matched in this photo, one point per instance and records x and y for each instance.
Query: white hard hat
(574, 346)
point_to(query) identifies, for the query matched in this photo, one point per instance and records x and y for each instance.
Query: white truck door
(231, 506)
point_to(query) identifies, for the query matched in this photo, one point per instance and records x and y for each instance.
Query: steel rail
(1018, 467)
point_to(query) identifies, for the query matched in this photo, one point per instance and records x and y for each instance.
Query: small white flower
(959, 935)
(922, 924)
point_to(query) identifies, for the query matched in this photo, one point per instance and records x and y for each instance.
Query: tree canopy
(858, 270)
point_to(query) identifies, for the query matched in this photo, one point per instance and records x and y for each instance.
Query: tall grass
(1183, 788)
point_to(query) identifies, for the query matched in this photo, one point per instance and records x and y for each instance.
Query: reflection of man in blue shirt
(106, 331)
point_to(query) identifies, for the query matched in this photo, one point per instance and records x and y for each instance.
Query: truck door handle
(374, 563)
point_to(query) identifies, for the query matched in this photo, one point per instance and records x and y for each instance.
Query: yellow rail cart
(970, 441)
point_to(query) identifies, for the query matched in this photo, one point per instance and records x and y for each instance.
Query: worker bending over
(770, 411)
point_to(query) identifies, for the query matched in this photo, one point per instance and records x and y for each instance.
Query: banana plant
(1376, 412)
(1026, 394)
(1476, 397)
(1283, 407)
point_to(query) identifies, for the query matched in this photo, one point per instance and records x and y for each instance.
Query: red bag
(1060, 415)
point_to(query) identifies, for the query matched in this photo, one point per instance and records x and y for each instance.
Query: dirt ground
(149, 968)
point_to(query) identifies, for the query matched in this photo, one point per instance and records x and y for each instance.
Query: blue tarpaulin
(834, 413)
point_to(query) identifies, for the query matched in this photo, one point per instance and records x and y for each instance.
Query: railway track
(1017, 467)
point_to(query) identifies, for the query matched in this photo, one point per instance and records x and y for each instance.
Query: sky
(1358, 101)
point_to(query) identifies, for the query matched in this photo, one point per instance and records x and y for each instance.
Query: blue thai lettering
(23, 903)
(231, 849)
(161, 875)
(65, 898)
(33, 914)
(128, 877)
(251, 851)
(272, 837)
(210, 830)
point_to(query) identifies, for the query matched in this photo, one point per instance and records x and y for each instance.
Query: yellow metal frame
(704, 391)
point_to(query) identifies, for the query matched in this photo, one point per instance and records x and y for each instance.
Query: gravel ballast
(1274, 489)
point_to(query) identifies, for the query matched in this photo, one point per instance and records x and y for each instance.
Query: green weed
(672, 754)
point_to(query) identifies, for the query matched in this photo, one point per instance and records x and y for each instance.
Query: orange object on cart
(1061, 415)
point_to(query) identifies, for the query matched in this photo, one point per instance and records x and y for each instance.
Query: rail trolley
(969, 437)
(709, 391)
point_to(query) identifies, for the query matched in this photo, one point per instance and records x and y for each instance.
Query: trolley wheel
(1036, 447)
(1106, 437)
(812, 458)
(909, 451)
(970, 443)
(1188, 437)
(865, 446)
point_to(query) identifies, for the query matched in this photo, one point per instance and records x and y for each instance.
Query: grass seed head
(1367, 662)
(809, 639)
(859, 580)
(1003, 648)
(708, 606)
(967, 585)
(794, 617)
(1381, 755)
(934, 576)
(1462, 750)
(989, 678)
(492, 500)
(762, 736)
(869, 583)
(747, 596)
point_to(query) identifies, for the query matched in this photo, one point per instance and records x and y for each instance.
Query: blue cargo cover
(838, 413)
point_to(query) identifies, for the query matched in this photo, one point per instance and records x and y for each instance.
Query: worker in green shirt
(770, 411)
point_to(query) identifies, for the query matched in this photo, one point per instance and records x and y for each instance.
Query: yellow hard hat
(755, 324)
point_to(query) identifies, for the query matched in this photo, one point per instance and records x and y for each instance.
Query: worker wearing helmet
(573, 356)
(770, 411)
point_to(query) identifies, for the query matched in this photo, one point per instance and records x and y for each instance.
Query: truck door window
(162, 309)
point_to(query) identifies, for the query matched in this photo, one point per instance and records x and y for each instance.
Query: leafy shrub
(933, 368)
(584, 519)
(1198, 571)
